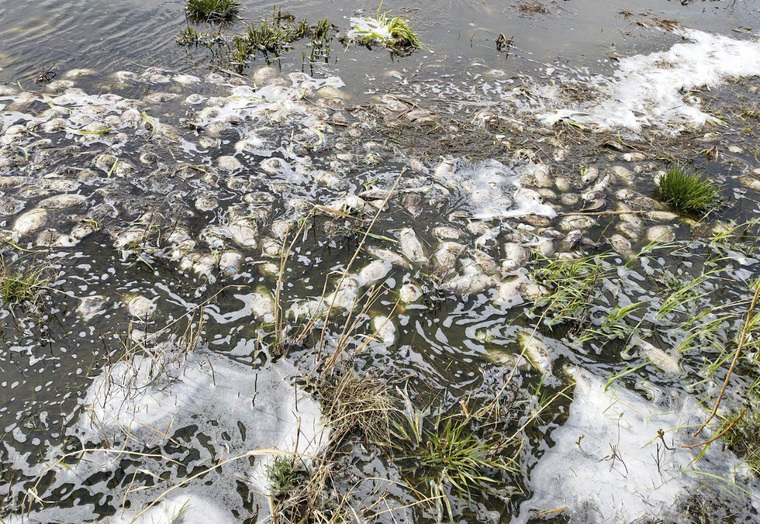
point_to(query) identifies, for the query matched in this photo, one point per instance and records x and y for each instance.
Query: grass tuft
(212, 10)
(742, 436)
(285, 475)
(571, 285)
(688, 192)
(448, 452)
(391, 32)
(22, 285)
(355, 403)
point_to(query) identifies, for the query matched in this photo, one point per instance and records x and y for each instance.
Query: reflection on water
(459, 35)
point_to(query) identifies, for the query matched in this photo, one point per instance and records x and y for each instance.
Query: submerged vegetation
(275, 36)
(268, 37)
(212, 10)
(741, 433)
(448, 452)
(571, 286)
(688, 192)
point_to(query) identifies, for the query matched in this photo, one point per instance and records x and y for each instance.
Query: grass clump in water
(23, 285)
(449, 453)
(356, 403)
(391, 32)
(688, 192)
(212, 10)
(276, 36)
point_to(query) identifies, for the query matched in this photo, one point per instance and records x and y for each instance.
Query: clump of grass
(459, 452)
(688, 192)
(356, 403)
(285, 475)
(21, 285)
(212, 10)
(275, 36)
(533, 8)
(391, 32)
(270, 38)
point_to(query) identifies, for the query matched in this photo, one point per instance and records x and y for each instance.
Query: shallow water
(459, 36)
(187, 188)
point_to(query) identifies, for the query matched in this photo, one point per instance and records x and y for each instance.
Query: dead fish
(129, 238)
(621, 245)
(467, 284)
(445, 258)
(269, 270)
(270, 247)
(206, 202)
(229, 163)
(373, 272)
(230, 262)
(658, 357)
(546, 247)
(411, 246)
(140, 307)
(262, 305)
(409, 293)
(515, 256)
(91, 306)
(30, 222)
(661, 234)
(62, 201)
(563, 184)
(7, 182)
(570, 240)
(444, 233)
(388, 256)
(242, 229)
(537, 352)
(384, 330)
(623, 174)
(509, 293)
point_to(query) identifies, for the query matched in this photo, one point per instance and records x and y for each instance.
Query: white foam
(234, 409)
(653, 90)
(492, 190)
(188, 509)
(372, 27)
(605, 465)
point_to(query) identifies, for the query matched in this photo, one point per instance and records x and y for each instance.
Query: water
(189, 183)
(459, 35)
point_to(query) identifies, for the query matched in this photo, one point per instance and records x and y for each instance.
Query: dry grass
(353, 403)
(533, 8)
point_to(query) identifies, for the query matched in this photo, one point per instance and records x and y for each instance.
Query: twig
(742, 339)
(716, 437)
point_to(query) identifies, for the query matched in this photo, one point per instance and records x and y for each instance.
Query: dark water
(459, 35)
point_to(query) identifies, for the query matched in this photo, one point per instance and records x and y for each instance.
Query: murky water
(192, 230)
(459, 36)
